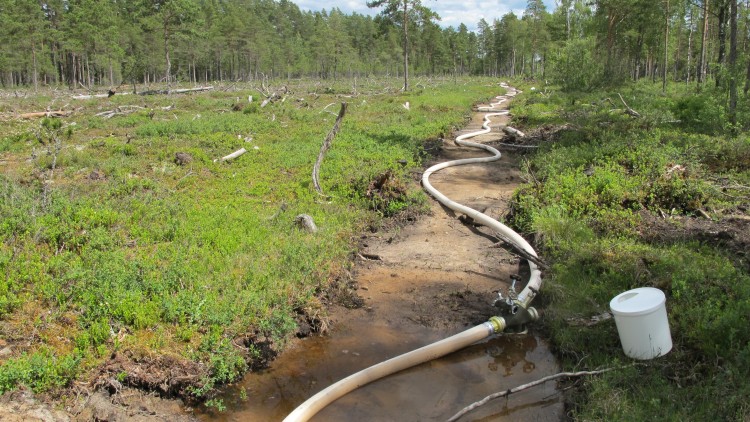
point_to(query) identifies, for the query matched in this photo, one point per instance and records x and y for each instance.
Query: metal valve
(508, 304)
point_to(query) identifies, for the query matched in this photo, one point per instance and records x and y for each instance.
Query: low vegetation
(617, 202)
(123, 239)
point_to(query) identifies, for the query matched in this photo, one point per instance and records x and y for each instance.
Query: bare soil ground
(441, 270)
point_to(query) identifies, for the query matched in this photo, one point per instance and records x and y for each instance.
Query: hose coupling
(497, 324)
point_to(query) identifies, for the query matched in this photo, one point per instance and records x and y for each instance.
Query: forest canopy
(581, 45)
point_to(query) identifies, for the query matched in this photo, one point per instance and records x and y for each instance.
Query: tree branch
(324, 148)
(510, 391)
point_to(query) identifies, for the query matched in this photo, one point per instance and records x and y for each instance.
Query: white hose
(535, 280)
(314, 404)
(425, 354)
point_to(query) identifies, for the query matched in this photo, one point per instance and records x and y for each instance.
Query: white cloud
(452, 12)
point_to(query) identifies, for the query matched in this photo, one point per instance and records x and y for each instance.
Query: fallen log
(40, 114)
(176, 91)
(232, 156)
(629, 111)
(91, 96)
(324, 148)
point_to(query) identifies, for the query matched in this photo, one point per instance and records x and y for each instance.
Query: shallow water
(432, 391)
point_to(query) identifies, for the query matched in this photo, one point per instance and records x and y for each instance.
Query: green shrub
(576, 68)
(703, 113)
(40, 371)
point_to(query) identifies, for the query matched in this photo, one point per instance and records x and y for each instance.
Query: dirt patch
(440, 270)
(132, 405)
(23, 406)
(731, 233)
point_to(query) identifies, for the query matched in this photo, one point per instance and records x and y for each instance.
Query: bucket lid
(639, 301)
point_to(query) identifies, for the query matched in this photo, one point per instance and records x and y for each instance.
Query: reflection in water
(432, 391)
(510, 351)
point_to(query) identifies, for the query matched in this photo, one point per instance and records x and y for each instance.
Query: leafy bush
(703, 113)
(39, 371)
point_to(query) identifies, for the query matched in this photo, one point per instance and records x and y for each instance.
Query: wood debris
(231, 156)
(176, 91)
(49, 113)
(121, 110)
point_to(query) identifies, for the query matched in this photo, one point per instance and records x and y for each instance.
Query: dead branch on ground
(90, 96)
(523, 253)
(281, 209)
(278, 95)
(588, 322)
(324, 148)
(514, 132)
(231, 156)
(121, 110)
(85, 87)
(325, 109)
(40, 114)
(629, 111)
(540, 381)
(176, 91)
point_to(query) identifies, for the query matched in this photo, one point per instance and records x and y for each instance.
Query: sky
(452, 12)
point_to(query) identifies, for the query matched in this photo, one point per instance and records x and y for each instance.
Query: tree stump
(183, 158)
(305, 222)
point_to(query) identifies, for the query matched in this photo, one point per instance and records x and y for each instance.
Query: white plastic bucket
(641, 319)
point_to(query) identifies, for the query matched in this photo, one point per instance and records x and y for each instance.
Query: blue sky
(452, 12)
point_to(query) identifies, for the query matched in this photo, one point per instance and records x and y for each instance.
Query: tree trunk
(678, 50)
(722, 41)
(747, 80)
(406, 46)
(88, 72)
(666, 49)
(704, 44)
(733, 62)
(36, 72)
(638, 57)
(690, 47)
(166, 55)
(611, 23)
(111, 71)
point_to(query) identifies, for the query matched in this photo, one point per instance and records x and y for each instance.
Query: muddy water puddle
(432, 391)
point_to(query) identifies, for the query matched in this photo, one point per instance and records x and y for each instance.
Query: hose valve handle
(499, 300)
(512, 294)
